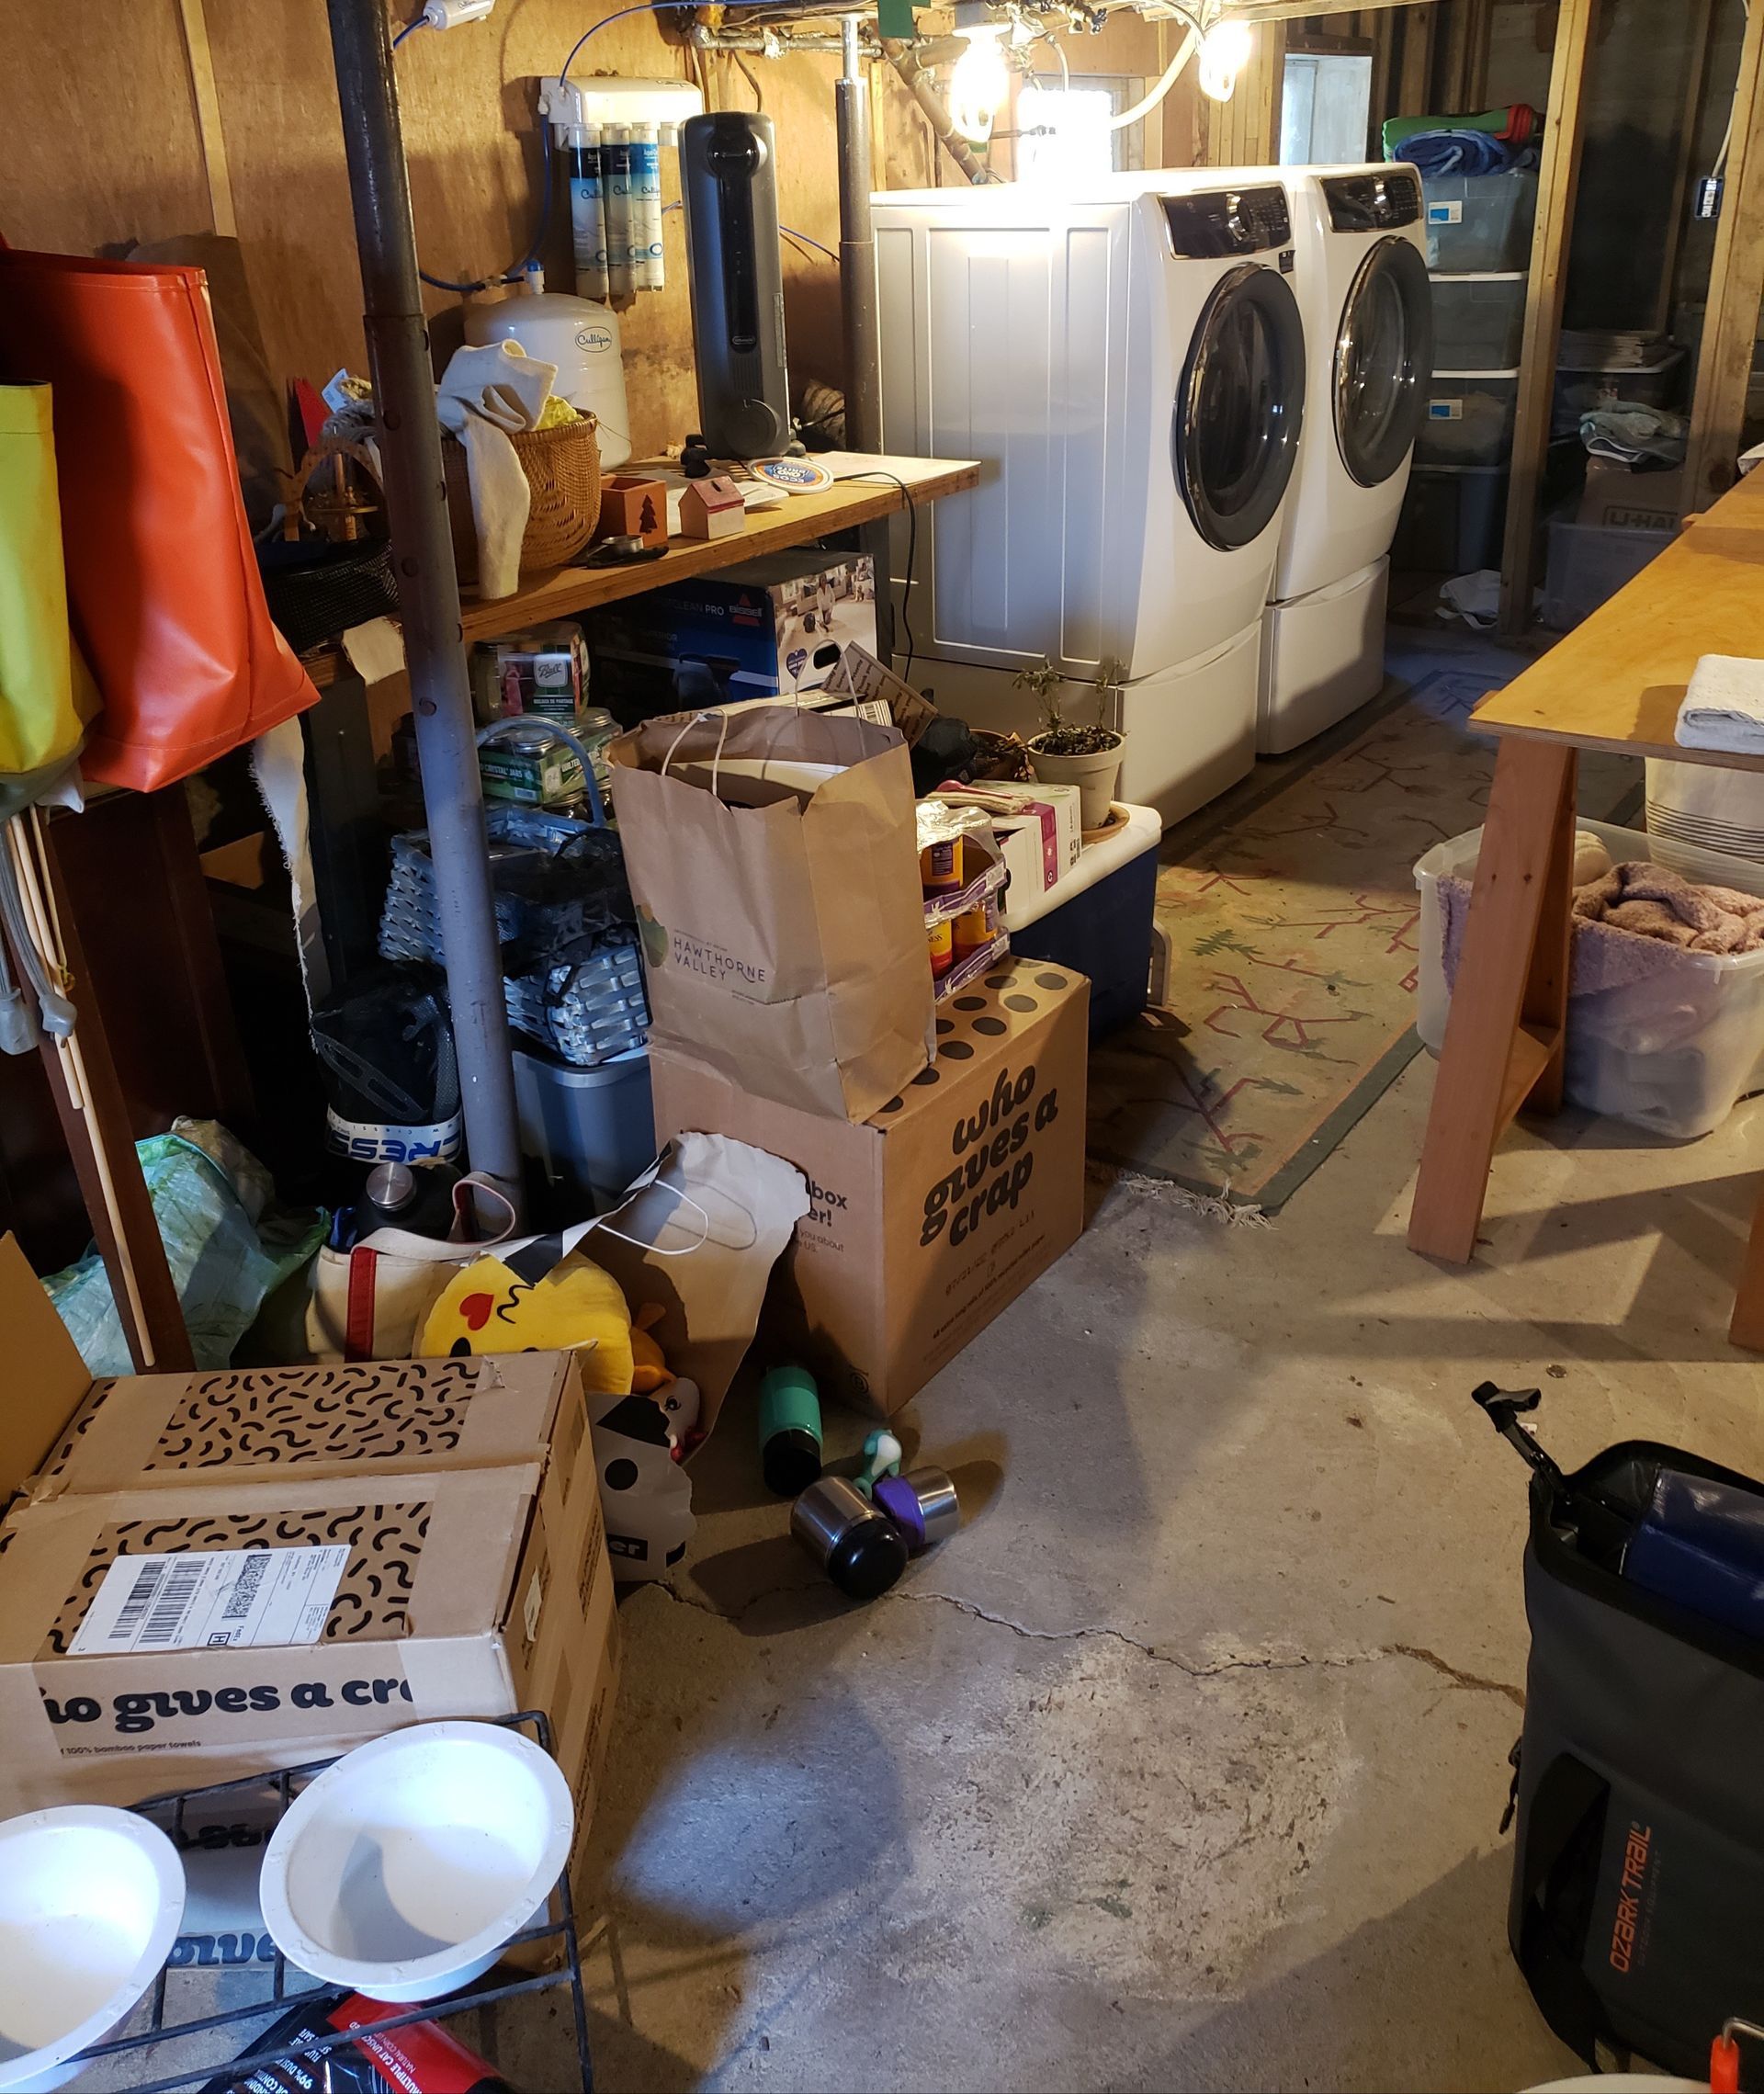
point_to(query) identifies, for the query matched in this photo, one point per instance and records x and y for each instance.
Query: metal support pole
(857, 249)
(857, 300)
(428, 588)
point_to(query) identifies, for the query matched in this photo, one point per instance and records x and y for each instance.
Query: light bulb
(1225, 51)
(979, 82)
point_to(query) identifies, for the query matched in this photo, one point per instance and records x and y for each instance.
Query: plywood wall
(105, 149)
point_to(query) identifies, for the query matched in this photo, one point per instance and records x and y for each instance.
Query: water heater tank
(583, 339)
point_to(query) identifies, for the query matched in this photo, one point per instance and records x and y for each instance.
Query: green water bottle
(789, 1430)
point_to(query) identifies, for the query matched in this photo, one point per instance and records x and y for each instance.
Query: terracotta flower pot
(1094, 775)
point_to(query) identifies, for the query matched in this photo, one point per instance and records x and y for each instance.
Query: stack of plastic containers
(1478, 244)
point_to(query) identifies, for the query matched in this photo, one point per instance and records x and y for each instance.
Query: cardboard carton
(437, 1523)
(1039, 830)
(929, 1219)
(1617, 498)
(766, 628)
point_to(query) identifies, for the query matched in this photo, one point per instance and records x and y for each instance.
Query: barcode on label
(166, 1622)
(146, 1584)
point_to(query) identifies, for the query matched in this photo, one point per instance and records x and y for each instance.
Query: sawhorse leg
(1504, 1039)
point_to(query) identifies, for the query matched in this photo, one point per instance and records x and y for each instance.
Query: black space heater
(729, 180)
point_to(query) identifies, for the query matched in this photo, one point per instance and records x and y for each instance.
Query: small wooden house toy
(712, 508)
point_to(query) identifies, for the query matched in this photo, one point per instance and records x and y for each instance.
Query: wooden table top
(865, 491)
(1617, 680)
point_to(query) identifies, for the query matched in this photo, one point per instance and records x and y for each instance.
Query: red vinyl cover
(163, 586)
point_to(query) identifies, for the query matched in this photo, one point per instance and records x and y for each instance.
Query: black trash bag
(1638, 1906)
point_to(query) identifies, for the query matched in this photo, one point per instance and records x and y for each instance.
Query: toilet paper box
(203, 1576)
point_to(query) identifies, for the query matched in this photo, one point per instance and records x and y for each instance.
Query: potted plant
(1068, 753)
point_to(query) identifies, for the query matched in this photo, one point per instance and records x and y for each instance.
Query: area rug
(1293, 933)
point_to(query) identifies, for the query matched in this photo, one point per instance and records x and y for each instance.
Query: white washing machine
(1362, 286)
(1128, 364)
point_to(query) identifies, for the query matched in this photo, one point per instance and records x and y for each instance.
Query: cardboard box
(928, 1219)
(1616, 499)
(446, 1514)
(1037, 826)
(766, 628)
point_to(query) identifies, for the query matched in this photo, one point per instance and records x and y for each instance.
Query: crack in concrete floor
(1213, 1669)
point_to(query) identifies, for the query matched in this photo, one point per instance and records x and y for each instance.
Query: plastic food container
(404, 1871)
(1451, 520)
(1467, 418)
(1478, 322)
(1588, 563)
(1479, 223)
(90, 1903)
(1673, 1052)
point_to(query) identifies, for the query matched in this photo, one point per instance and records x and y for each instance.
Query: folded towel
(1723, 705)
(1655, 902)
(485, 393)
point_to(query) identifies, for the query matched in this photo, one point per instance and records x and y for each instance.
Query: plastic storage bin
(1451, 521)
(1099, 920)
(590, 1130)
(1467, 418)
(1587, 563)
(1478, 222)
(1674, 1051)
(1581, 390)
(1478, 323)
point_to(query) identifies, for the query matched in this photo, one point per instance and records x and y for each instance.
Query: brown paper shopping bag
(774, 860)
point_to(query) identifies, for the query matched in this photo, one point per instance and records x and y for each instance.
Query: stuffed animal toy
(651, 1376)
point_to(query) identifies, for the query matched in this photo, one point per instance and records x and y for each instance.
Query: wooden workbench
(866, 492)
(1616, 682)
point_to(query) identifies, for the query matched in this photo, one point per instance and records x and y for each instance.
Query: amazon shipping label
(225, 1597)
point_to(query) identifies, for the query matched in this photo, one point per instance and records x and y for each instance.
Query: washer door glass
(1383, 352)
(1237, 413)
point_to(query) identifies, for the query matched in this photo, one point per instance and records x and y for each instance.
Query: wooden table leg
(1747, 1325)
(1504, 1037)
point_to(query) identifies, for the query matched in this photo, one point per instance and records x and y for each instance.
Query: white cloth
(485, 393)
(1723, 705)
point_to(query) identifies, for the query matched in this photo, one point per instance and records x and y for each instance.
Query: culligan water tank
(577, 336)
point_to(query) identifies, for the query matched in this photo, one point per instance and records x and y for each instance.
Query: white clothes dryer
(1364, 288)
(1128, 365)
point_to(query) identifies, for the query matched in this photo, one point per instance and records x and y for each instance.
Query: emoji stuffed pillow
(525, 1304)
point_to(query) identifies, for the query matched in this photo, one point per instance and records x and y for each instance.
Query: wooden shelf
(855, 499)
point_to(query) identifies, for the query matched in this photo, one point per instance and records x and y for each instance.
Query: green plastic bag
(226, 1247)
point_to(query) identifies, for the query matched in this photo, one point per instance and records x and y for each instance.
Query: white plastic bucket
(403, 1871)
(90, 1903)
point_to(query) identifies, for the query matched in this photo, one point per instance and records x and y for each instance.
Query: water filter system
(610, 134)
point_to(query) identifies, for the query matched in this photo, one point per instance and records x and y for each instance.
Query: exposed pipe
(902, 56)
(1173, 72)
(857, 251)
(428, 587)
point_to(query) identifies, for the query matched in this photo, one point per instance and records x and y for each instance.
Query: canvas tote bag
(774, 858)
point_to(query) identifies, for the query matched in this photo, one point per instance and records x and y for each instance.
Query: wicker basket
(562, 469)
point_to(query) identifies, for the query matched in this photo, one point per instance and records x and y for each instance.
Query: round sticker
(798, 476)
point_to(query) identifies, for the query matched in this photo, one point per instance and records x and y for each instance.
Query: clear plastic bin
(1588, 563)
(1451, 520)
(1580, 390)
(590, 1130)
(1480, 222)
(1478, 323)
(1673, 1052)
(1467, 418)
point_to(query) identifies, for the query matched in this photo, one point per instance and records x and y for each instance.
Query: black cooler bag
(1637, 1907)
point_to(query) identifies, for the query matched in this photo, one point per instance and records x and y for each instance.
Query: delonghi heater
(728, 181)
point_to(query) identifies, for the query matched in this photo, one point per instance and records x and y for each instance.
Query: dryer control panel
(1372, 203)
(1217, 223)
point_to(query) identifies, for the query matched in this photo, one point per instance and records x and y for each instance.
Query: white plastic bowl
(90, 1900)
(403, 1871)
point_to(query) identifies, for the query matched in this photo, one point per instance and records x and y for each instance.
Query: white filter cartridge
(587, 217)
(646, 210)
(616, 203)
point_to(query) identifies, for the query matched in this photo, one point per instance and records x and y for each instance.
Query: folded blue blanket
(1438, 152)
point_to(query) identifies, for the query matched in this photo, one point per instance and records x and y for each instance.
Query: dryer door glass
(1235, 433)
(1383, 352)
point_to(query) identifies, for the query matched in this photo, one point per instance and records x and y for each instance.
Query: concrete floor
(1181, 1765)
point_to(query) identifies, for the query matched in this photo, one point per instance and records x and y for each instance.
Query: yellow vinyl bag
(46, 693)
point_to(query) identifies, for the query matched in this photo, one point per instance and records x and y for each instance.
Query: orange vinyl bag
(162, 581)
